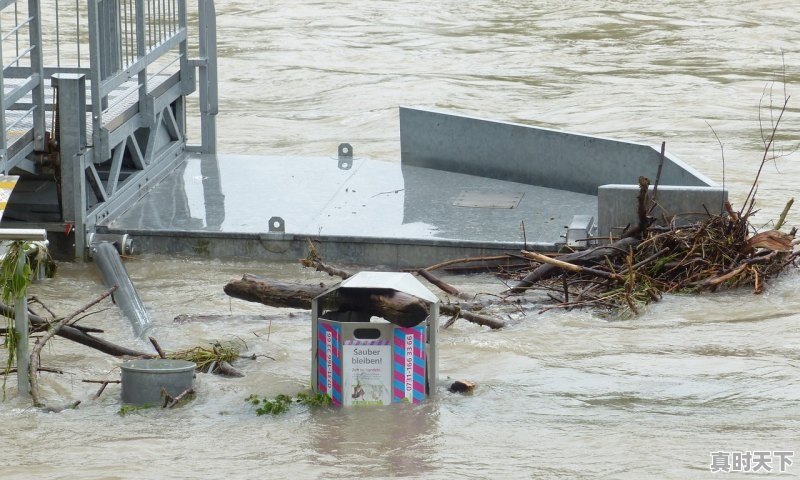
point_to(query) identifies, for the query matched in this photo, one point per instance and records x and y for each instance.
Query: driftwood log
(397, 307)
(630, 238)
(192, 317)
(547, 270)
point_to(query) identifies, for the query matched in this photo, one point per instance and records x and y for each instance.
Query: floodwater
(560, 394)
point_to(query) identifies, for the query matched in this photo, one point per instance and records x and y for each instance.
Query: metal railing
(126, 49)
(23, 110)
(94, 95)
(126, 39)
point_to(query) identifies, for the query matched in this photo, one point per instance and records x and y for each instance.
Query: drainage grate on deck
(486, 199)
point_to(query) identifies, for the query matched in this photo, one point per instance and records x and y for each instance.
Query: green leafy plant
(280, 404)
(126, 409)
(16, 273)
(264, 405)
(314, 399)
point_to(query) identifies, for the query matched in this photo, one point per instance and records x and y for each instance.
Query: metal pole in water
(21, 328)
(108, 261)
(21, 333)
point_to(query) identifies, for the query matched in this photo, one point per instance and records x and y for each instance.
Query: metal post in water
(21, 327)
(21, 332)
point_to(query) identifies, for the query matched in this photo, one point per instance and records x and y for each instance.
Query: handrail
(17, 28)
(29, 47)
(125, 40)
(19, 56)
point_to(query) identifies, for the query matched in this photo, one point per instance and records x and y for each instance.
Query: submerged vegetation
(208, 359)
(21, 263)
(281, 403)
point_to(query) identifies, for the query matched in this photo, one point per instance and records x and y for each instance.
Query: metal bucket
(142, 380)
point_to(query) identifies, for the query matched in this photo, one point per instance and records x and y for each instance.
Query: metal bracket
(345, 156)
(277, 225)
(123, 243)
(580, 229)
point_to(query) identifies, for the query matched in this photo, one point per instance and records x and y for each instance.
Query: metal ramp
(94, 105)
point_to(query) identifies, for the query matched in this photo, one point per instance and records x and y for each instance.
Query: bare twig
(658, 177)
(445, 287)
(466, 260)
(158, 348)
(51, 332)
(173, 402)
(571, 266)
(35, 299)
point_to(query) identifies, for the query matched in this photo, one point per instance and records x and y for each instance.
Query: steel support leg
(72, 143)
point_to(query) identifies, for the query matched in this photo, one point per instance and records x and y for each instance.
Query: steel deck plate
(374, 211)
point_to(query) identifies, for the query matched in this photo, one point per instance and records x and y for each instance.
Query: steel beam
(72, 144)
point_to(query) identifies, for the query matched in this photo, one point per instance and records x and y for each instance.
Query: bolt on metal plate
(345, 156)
(277, 225)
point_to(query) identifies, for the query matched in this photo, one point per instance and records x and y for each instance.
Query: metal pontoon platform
(465, 187)
(93, 124)
(371, 212)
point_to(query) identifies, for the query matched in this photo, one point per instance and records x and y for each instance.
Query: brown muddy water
(561, 394)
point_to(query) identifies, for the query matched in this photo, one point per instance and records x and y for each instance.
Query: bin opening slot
(367, 333)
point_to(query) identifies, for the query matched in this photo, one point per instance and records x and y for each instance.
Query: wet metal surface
(237, 194)
(482, 199)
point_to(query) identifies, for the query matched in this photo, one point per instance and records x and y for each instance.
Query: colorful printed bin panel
(329, 353)
(367, 372)
(408, 355)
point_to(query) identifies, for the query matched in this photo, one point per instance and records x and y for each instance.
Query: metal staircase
(95, 106)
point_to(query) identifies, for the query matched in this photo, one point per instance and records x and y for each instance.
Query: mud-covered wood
(76, 334)
(397, 307)
(547, 270)
(274, 293)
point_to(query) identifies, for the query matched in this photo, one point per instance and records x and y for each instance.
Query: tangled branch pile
(719, 252)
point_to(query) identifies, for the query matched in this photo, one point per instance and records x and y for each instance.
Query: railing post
(141, 47)
(98, 102)
(208, 76)
(110, 60)
(72, 142)
(3, 139)
(37, 69)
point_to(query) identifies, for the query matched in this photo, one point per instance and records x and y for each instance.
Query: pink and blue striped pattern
(366, 342)
(408, 373)
(329, 368)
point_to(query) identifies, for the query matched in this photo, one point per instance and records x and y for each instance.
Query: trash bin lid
(399, 281)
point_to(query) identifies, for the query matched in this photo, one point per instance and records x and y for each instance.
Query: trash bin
(360, 358)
